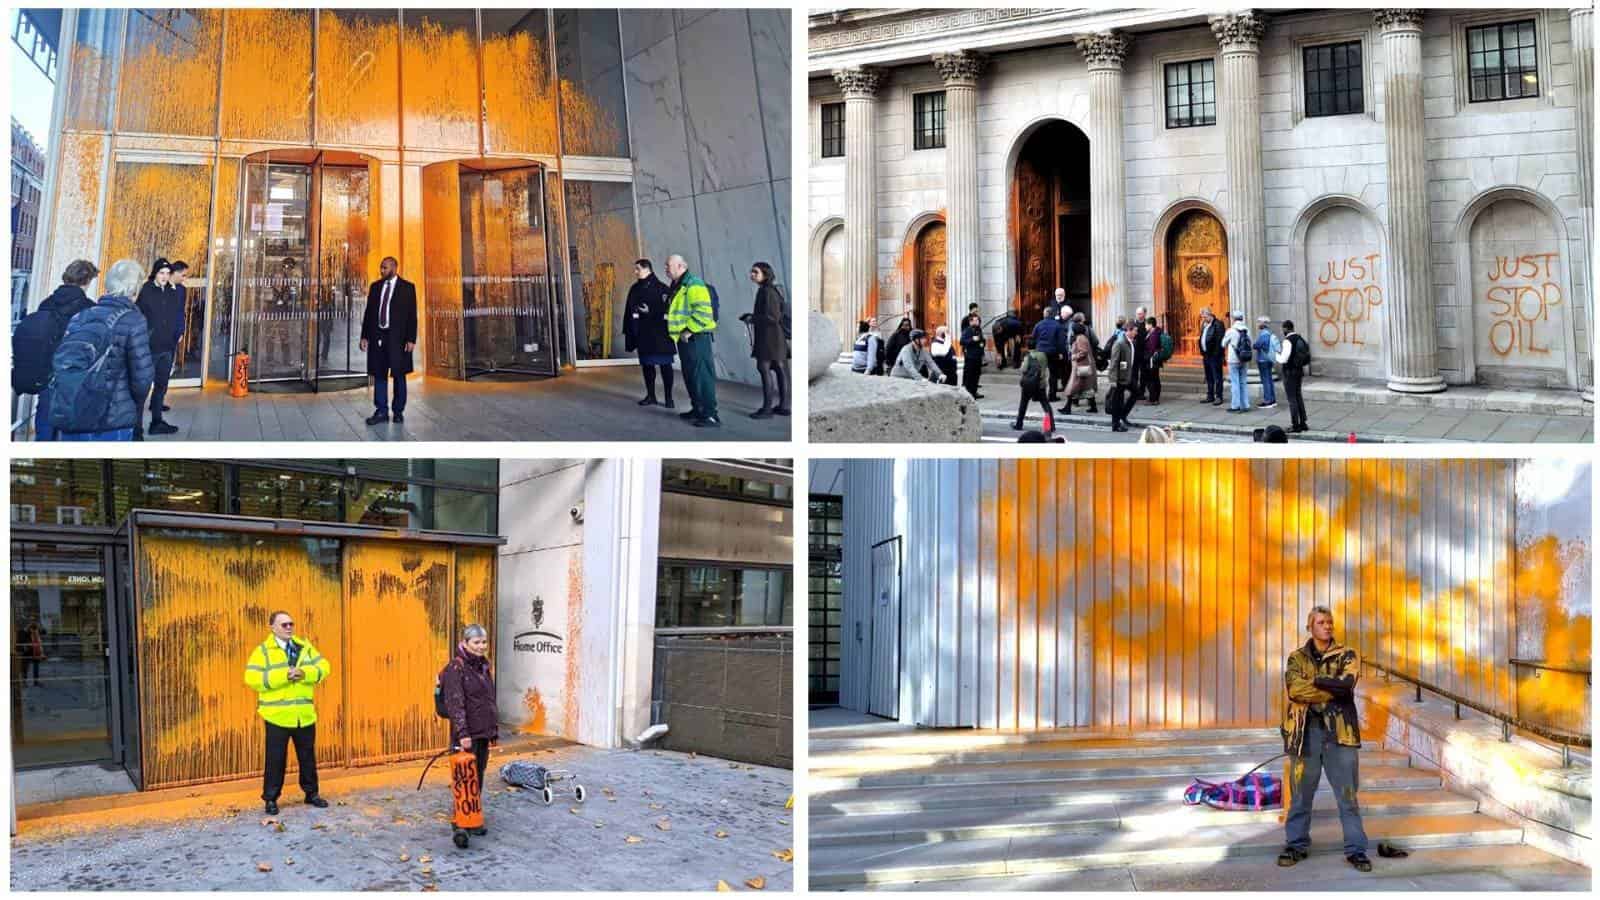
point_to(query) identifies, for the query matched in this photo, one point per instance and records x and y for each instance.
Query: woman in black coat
(644, 329)
(972, 354)
(467, 687)
(768, 342)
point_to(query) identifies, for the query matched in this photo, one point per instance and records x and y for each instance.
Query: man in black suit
(1211, 352)
(388, 335)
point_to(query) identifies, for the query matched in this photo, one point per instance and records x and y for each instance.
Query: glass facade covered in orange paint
(283, 153)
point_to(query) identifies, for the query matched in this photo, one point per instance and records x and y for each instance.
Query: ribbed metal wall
(869, 507)
(1166, 593)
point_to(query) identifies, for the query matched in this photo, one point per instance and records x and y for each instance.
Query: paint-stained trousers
(1342, 764)
(305, 753)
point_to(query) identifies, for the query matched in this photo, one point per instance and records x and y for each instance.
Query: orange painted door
(932, 306)
(1197, 277)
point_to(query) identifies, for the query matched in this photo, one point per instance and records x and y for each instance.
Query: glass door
(277, 260)
(508, 318)
(344, 241)
(61, 691)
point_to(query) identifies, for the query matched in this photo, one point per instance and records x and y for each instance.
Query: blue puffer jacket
(1047, 336)
(130, 352)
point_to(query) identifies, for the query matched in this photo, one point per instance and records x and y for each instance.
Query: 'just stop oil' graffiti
(1522, 296)
(1350, 291)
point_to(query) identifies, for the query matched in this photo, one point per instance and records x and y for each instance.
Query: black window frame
(833, 121)
(1502, 76)
(927, 120)
(1321, 68)
(1208, 108)
(825, 605)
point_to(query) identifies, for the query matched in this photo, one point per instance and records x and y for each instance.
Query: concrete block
(846, 407)
(825, 345)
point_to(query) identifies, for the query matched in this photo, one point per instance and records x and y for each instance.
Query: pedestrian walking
(1119, 368)
(1267, 346)
(972, 355)
(101, 370)
(769, 318)
(1084, 382)
(692, 319)
(163, 314)
(644, 330)
(388, 337)
(284, 671)
(1211, 354)
(1295, 357)
(1048, 339)
(1238, 354)
(943, 351)
(1035, 372)
(467, 688)
(36, 337)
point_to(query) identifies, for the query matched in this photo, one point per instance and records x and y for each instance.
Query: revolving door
(303, 265)
(490, 309)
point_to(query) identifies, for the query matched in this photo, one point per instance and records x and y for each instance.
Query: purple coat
(468, 691)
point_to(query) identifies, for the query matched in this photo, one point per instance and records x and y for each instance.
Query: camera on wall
(576, 512)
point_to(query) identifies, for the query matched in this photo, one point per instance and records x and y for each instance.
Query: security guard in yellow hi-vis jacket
(692, 321)
(283, 670)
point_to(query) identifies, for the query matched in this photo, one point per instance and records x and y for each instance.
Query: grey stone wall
(708, 117)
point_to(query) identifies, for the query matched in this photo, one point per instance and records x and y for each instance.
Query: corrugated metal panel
(1167, 593)
(203, 605)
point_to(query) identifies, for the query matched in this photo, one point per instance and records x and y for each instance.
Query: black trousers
(947, 365)
(158, 391)
(1152, 384)
(1215, 386)
(1058, 374)
(1030, 394)
(305, 753)
(1297, 403)
(971, 369)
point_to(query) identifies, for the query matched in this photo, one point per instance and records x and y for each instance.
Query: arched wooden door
(929, 308)
(1197, 277)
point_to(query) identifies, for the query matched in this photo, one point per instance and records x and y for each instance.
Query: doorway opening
(1050, 214)
(1195, 276)
(929, 304)
(490, 307)
(306, 242)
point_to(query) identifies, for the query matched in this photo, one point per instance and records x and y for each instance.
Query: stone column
(860, 86)
(1413, 340)
(1239, 100)
(1583, 66)
(960, 71)
(1104, 52)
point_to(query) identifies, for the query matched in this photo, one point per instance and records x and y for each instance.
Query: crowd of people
(679, 320)
(96, 367)
(1062, 358)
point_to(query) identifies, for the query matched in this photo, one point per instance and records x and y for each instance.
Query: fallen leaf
(405, 857)
(757, 883)
(723, 887)
(572, 809)
(320, 826)
(288, 860)
(512, 788)
(340, 803)
(783, 821)
(400, 820)
(267, 822)
(786, 854)
(790, 803)
(278, 827)
(263, 867)
(633, 839)
(424, 859)
(427, 872)
(720, 833)
(608, 792)
(655, 806)
(430, 886)
(599, 824)
(664, 823)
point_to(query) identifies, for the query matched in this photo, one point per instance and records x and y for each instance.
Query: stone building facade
(1413, 188)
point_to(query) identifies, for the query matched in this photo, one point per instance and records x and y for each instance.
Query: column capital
(1240, 31)
(859, 82)
(960, 68)
(1103, 49)
(1389, 20)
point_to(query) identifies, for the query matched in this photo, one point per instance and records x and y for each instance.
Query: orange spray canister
(239, 383)
(464, 791)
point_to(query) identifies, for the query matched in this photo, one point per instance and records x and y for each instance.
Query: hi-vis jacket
(285, 703)
(690, 308)
(1337, 668)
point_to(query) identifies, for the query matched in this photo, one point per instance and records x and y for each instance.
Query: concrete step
(906, 738)
(1257, 748)
(1165, 814)
(862, 864)
(907, 799)
(1178, 762)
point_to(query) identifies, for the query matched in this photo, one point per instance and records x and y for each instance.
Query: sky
(31, 92)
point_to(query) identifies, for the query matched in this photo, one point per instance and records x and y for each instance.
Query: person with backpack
(692, 320)
(1267, 346)
(1119, 367)
(1295, 357)
(36, 337)
(101, 369)
(1035, 372)
(162, 307)
(1238, 350)
(1082, 380)
(1158, 348)
(645, 331)
(866, 354)
(770, 341)
(1322, 735)
(283, 670)
(466, 696)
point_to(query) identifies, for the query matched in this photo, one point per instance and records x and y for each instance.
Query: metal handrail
(1508, 721)
(1541, 664)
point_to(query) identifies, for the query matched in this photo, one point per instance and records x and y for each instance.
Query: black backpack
(438, 692)
(81, 384)
(1300, 352)
(1242, 345)
(33, 346)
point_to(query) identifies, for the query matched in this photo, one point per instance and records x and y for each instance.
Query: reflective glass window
(168, 83)
(704, 596)
(594, 118)
(602, 245)
(57, 492)
(180, 485)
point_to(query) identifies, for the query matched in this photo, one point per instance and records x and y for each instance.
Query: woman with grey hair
(467, 687)
(95, 401)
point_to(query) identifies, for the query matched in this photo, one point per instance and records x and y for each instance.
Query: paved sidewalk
(1330, 420)
(382, 834)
